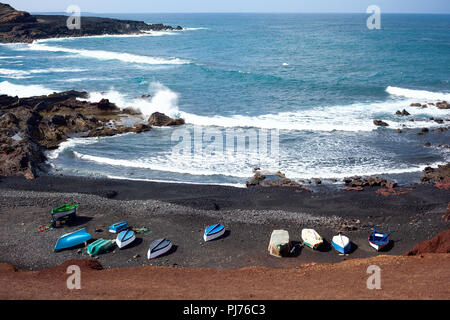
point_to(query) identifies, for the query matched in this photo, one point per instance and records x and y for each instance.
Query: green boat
(99, 246)
(64, 212)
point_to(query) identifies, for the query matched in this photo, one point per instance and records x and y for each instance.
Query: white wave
(236, 185)
(157, 165)
(10, 57)
(71, 80)
(354, 117)
(23, 91)
(418, 94)
(24, 74)
(194, 29)
(343, 172)
(163, 100)
(104, 55)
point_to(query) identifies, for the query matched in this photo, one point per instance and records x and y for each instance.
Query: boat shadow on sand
(132, 245)
(225, 235)
(325, 246)
(78, 221)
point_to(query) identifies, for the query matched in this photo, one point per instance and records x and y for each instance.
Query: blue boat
(341, 243)
(73, 239)
(378, 240)
(213, 232)
(125, 238)
(118, 227)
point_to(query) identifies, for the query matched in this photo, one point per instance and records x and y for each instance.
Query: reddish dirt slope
(402, 277)
(439, 244)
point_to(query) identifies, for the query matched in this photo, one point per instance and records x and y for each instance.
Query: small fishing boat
(100, 246)
(125, 238)
(311, 238)
(378, 240)
(118, 227)
(158, 248)
(73, 239)
(213, 232)
(341, 243)
(64, 212)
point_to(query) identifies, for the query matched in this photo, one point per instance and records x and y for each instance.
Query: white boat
(125, 238)
(159, 247)
(311, 238)
(341, 243)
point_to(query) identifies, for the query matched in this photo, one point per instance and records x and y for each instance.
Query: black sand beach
(180, 212)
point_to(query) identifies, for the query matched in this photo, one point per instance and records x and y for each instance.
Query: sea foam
(104, 55)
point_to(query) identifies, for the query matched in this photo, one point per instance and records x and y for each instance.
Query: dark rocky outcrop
(402, 113)
(439, 176)
(443, 105)
(158, 119)
(380, 123)
(30, 126)
(357, 181)
(19, 26)
(270, 179)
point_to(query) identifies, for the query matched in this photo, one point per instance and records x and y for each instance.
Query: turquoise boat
(99, 246)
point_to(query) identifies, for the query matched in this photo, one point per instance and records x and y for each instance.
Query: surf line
(211, 311)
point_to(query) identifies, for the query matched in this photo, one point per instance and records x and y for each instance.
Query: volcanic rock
(161, 120)
(19, 26)
(380, 123)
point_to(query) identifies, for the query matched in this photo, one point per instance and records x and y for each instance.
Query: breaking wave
(418, 94)
(105, 55)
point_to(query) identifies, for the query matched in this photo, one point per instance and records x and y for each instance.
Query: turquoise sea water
(313, 82)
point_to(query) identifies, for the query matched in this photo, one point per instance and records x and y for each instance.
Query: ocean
(295, 93)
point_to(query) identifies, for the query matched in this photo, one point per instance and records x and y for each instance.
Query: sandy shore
(181, 212)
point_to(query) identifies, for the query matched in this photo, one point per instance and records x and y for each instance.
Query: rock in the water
(270, 179)
(443, 105)
(159, 119)
(380, 123)
(402, 113)
(279, 245)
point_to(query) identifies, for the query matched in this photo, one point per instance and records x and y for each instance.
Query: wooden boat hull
(311, 238)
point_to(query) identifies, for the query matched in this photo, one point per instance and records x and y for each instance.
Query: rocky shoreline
(20, 26)
(31, 126)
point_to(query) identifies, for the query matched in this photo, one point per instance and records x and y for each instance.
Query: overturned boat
(341, 243)
(158, 248)
(311, 238)
(213, 232)
(125, 238)
(100, 246)
(64, 212)
(73, 239)
(118, 227)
